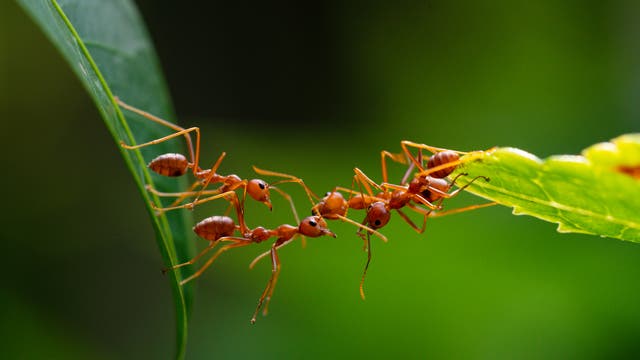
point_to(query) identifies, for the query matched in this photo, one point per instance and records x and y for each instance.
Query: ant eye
(377, 222)
(312, 223)
(262, 185)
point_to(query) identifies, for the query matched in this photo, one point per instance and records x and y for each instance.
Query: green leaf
(106, 45)
(596, 193)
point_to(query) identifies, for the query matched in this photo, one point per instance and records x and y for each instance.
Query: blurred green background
(315, 90)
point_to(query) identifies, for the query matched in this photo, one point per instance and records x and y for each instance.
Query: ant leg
(454, 193)
(415, 197)
(183, 194)
(210, 175)
(191, 205)
(237, 242)
(407, 174)
(194, 156)
(416, 162)
(289, 178)
(265, 311)
(288, 197)
(457, 191)
(411, 223)
(463, 209)
(432, 149)
(275, 271)
(212, 244)
(165, 138)
(363, 179)
(363, 227)
(426, 213)
(290, 200)
(258, 258)
(192, 188)
(371, 198)
(395, 157)
(366, 266)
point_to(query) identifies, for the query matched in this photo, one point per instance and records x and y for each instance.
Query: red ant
(173, 165)
(425, 191)
(428, 188)
(218, 229)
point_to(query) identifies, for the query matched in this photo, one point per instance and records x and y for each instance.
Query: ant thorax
(399, 198)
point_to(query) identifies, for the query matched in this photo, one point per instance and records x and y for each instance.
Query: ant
(426, 191)
(218, 229)
(173, 165)
(423, 194)
(428, 185)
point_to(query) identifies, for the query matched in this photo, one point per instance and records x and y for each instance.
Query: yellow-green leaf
(597, 192)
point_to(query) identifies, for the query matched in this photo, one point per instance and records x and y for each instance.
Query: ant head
(378, 215)
(314, 226)
(259, 191)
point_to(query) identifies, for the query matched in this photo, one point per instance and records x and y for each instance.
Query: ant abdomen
(442, 158)
(215, 227)
(171, 165)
